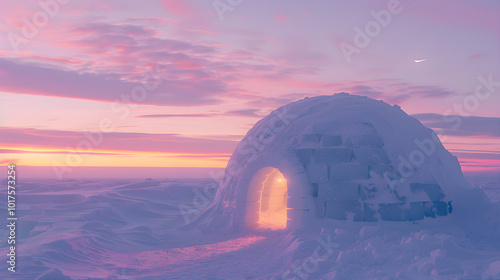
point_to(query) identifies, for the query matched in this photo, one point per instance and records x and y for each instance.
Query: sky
(176, 84)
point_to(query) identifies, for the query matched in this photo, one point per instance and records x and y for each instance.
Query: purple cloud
(461, 125)
(103, 87)
(241, 113)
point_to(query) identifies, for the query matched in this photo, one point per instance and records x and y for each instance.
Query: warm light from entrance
(273, 213)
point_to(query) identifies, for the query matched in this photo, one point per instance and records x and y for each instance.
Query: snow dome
(339, 157)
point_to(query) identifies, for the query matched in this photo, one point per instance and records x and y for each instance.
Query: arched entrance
(269, 187)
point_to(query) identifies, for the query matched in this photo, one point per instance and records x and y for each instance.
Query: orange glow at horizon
(49, 156)
(43, 156)
(40, 155)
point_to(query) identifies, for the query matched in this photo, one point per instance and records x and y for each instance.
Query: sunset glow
(175, 84)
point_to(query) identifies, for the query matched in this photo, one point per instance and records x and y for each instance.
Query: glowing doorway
(273, 200)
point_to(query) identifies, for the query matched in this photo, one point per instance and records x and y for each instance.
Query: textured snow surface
(120, 229)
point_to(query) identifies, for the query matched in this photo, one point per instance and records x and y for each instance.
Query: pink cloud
(115, 29)
(152, 20)
(13, 12)
(476, 57)
(54, 60)
(281, 18)
(187, 13)
(107, 87)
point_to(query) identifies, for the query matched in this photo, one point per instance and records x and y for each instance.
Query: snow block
(415, 212)
(371, 156)
(325, 191)
(429, 210)
(356, 208)
(332, 155)
(297, 215)
(335, 210)
(314, 189)
(305, 155)
(338, 209)
(317, 173)
(367, 191)
(380, 169)
(330, 140)
(441, 208)
(367, 140)
(434, 191)
(296, 202)
(358, 215)
(339, 191)
(320, 207)
(309, 140)
(346, 172)
(391, 211)
(369, 212)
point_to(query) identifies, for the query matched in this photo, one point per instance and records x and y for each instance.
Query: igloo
(338, 157)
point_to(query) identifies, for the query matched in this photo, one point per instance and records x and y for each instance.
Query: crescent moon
(420, 60)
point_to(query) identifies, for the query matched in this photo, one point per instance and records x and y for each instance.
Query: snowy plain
(137, 229)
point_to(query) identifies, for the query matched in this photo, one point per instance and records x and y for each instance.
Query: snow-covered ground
(136, 229)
